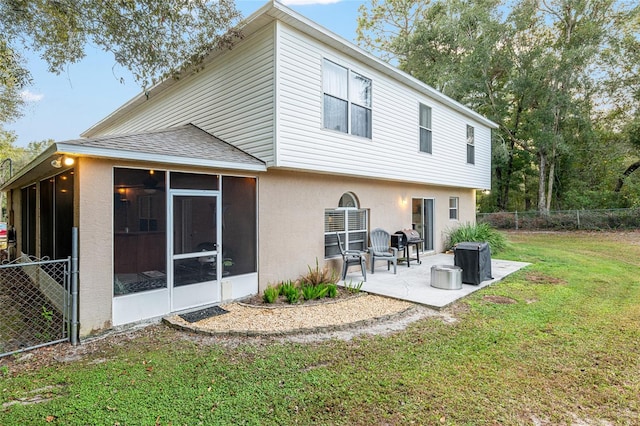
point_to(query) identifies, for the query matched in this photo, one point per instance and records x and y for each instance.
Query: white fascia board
(156, 158)
(45, 155)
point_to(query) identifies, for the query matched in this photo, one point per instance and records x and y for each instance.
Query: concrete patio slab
(413, 283)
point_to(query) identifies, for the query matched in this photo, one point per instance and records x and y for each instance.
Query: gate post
(74, 286)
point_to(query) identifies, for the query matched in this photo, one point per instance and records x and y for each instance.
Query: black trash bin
(475, 261)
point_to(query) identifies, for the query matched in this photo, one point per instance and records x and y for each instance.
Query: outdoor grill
(403, 240)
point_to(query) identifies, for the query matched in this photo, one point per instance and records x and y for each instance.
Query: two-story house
(210, 187)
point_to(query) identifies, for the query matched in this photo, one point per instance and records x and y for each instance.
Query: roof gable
(186, 144)
(275, 11)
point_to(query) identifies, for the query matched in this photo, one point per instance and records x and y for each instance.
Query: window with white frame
(350, 222)
(471, 153)
(425, 129)
(347, 100)
(453, 208)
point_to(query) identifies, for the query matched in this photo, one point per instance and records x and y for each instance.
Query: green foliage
(286, 287)
(152, 39)
(312, 292)
(477, 232)
(529, 67)
(271, 294)
(332, 290)
(353, 288)
(292, 294)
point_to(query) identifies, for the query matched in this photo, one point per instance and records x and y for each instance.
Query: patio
(413, 283)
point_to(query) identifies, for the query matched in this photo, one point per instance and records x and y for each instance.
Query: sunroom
(167, 221)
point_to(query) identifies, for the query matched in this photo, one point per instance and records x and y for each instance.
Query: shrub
(311, 292)
(292, 294)
(271, 294)
(332, 290)
(286, 287)
(480, 232)
(317, 275)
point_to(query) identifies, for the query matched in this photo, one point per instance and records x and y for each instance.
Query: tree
(153, 39)
(531, 66)
(386, 23)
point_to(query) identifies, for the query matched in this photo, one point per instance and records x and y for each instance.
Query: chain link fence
(564, 219)
(34, 303)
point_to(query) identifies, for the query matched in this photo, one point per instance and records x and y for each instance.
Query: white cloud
(28, 96)
(307, 2)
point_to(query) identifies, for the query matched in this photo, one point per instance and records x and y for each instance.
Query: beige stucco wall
(94, 188)
(291, 215)
(291, 209)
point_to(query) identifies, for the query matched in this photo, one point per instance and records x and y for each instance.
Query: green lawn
(567, 351)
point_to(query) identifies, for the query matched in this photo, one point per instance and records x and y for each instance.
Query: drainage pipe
(74, 286)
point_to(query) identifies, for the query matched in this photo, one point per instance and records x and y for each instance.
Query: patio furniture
(381, 249)
(351, 257)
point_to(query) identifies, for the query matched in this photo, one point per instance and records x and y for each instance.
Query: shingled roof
(187, 145)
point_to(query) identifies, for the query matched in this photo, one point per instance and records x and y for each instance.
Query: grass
(566, 352)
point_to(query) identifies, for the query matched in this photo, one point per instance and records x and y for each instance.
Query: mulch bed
(281, 301)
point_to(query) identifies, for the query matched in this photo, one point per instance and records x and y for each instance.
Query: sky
(61, 107)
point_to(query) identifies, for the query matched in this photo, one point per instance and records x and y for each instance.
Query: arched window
(350, 222)
(348, 200)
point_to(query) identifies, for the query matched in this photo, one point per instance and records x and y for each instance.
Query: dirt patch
(501, 300)
(538, 278)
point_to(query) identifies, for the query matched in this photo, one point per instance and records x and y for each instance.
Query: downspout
(74, 286)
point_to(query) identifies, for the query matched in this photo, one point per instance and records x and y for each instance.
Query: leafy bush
(271, 294)
(286, 287)
(292, 294)
(479, 233)
(332, 290)
(311, 292)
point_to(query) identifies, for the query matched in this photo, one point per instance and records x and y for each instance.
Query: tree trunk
(552, 157)
(552, 168)
(542, 175)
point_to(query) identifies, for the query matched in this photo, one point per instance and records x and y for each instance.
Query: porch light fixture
(58, 162)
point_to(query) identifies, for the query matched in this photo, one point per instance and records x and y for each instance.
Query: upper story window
(471, 148)
(425, 129)
(347, 100)
(453, 208)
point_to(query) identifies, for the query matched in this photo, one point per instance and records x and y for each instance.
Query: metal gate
(35, 303)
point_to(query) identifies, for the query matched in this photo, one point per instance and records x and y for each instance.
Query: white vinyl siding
(304, 144)
(231, 98)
